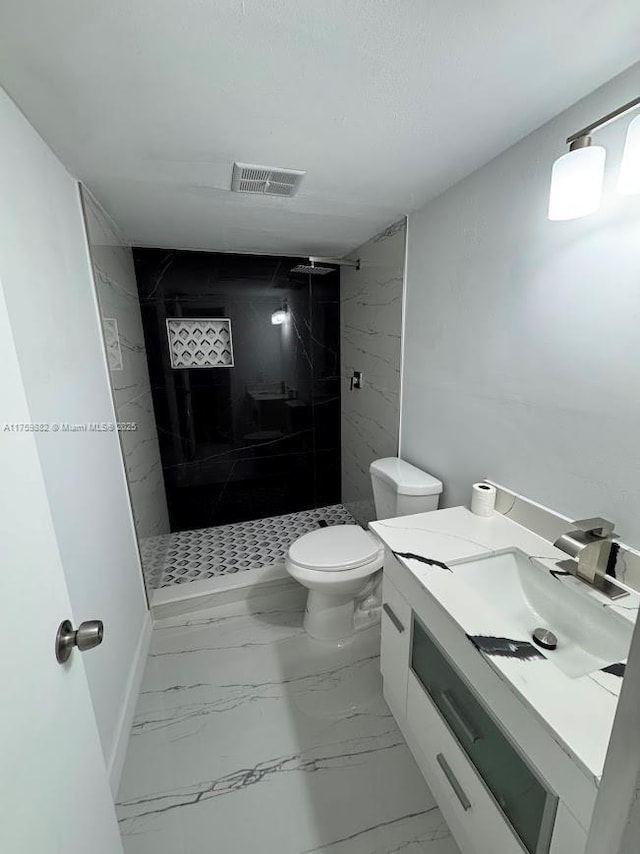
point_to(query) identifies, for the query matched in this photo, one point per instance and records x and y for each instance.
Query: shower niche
(244, 364)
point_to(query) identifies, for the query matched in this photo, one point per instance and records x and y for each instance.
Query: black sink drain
(545, 638)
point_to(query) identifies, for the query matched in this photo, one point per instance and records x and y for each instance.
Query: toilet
(336, 564)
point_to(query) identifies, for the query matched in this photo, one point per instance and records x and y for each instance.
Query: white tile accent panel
(117, 292)
(200, 342)
(371, 336)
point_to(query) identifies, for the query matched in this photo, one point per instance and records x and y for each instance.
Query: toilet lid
(335, 548)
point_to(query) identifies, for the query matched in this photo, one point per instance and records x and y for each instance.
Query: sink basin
(590, 635)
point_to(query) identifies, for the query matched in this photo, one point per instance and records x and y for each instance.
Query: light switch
(356, 380)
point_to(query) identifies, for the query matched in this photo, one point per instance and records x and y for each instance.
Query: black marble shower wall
(261, 437)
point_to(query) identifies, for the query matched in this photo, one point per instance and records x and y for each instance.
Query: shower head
(312, 270)
(317, 266)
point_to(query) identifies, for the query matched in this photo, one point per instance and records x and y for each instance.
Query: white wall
(371, 342)
(522, 339)
(45, 270)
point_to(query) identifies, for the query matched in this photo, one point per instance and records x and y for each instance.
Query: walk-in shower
(244, 362)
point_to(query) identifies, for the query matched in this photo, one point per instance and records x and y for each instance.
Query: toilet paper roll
(483, 499)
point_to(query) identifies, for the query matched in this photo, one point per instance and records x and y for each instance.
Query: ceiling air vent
(265, 180)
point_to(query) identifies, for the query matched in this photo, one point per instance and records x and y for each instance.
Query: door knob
(87, 635)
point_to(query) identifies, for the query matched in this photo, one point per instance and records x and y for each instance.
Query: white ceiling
(385, 103)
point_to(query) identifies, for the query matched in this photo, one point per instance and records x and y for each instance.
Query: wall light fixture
(280, 316)
(629, 178)
(577, 176)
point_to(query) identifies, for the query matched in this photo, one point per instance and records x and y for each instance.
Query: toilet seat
(335, 549)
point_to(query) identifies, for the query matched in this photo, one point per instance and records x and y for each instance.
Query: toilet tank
(400, 489)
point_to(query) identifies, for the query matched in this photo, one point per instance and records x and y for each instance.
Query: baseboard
(123, 730)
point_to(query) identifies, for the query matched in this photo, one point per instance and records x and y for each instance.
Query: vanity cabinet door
(517, 789)
(395, 645)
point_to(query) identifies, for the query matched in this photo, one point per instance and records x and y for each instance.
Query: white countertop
(579, 712)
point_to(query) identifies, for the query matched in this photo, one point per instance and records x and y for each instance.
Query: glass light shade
(629, 178)
(279, 317)
(576, 183)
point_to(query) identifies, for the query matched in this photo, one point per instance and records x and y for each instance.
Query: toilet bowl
(336, 564)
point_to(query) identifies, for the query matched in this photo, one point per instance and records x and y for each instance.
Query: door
(54, 791)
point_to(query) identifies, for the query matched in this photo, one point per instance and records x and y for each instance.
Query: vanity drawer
(394, 648)
(475, 821)
(512, 783)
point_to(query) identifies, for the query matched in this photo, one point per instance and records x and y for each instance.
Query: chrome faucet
(590, 543)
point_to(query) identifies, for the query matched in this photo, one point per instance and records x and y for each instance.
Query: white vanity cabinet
(395, 648)
(501, 787)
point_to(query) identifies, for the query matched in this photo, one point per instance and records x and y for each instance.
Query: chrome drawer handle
(396, 622)
(465, 803)
(450, 702)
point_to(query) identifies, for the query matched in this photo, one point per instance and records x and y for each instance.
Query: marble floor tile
(248, 734)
